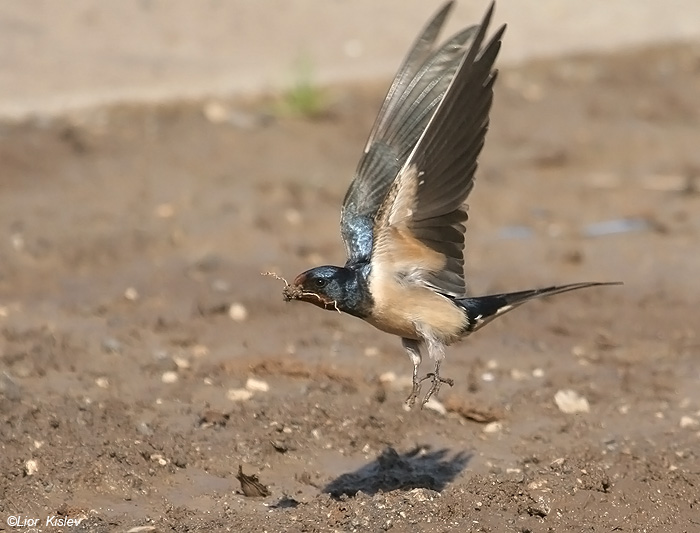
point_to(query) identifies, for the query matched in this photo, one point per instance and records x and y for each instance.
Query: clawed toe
(436, 381)
(411, 400)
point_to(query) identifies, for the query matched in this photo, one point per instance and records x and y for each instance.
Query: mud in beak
(292, 292)
(296, 291)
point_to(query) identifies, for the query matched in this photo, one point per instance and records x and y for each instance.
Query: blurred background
(55, 56)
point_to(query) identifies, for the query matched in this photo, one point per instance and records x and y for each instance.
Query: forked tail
(481, 310)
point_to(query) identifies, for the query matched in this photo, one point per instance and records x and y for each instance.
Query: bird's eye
(320, 283)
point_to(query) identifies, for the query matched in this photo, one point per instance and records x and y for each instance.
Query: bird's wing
(419, 228)
(414, 95)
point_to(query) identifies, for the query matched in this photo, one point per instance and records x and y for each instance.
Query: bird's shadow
(418, 468)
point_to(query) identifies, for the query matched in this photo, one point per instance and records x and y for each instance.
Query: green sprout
(304, 99)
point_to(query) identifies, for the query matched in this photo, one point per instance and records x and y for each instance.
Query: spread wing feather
(425, 204)
(416, 92)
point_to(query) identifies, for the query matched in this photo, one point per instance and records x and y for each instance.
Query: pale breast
(399, 308)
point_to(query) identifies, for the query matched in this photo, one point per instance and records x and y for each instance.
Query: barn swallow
(402, 219)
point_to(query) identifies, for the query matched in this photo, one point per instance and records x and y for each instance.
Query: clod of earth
(251, 487)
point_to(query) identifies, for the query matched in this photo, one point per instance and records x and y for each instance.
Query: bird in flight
(402, 220)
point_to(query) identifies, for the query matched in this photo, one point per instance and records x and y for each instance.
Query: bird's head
(325, 287)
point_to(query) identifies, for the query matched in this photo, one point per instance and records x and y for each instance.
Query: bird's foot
(411, 400)
(436, 381)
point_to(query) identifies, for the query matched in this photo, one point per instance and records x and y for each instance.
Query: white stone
(569, 401)
(239, 395)
(435, 405)
(493, 427)
(688, 422)
(131, 294)
(257, 385)
(31, 467)
(237, 312)
(169, 377)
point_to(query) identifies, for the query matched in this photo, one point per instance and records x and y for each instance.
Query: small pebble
(537, 484)
(162, 461)
(131, 294)
(141, 529)
(538, 373)
(387, 377)
(144, 429)
(420, 493)
(435, 405)
(689, 422)
(169, 377)
(239, 395)
(111, 345)
(493, 427)
(238, 312)
(182, 362)
(199, 350)
(488, 376)
(215, 112)
(371, 351)
(257, 385)
(31, 467)
(102, 383)
(569, 401)
(578, 351)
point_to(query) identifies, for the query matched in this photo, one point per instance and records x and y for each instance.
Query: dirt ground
(133, 317)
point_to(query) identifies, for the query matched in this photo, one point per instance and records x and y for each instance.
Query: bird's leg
(435, 383)
(413, 349)
(436, 350)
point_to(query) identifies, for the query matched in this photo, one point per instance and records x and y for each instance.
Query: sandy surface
(133, 315)
(63, 55)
